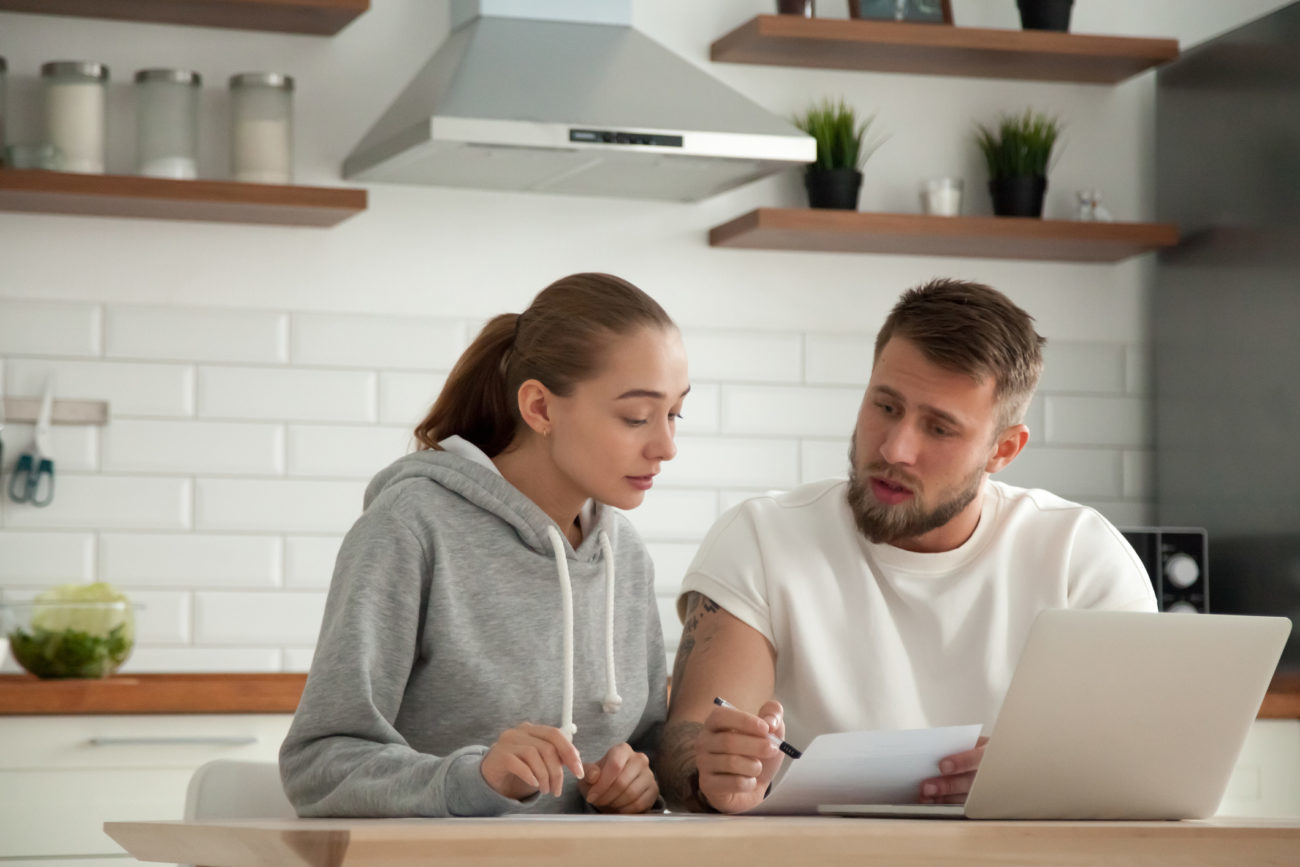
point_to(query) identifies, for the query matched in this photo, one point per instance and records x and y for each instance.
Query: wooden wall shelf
(913, 234)
(314, 17)
(937, 49)
(43, 192)
(152, 693)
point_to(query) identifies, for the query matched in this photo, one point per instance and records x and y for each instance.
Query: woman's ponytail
(473, 403)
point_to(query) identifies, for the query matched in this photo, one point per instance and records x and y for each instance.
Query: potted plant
(834, 180)
(1018, 153)
(1045, 14)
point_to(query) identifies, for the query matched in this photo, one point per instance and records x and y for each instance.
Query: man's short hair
(973, 329)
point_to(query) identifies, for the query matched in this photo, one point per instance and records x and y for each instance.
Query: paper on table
(864, 768)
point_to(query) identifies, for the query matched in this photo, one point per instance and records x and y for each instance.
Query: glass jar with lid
(75, 116)
(167, 123)
(261, 127)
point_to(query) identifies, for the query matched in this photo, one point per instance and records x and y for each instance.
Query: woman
(492, 622)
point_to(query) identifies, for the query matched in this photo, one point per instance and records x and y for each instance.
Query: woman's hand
(621, 782)
(530, 758)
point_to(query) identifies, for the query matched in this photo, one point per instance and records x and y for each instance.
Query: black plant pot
(833, 188)
(1045, 14)
(1019, 196)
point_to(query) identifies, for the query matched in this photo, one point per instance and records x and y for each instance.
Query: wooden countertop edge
(24, 695)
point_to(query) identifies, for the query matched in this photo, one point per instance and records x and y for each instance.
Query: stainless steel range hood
(585, 105)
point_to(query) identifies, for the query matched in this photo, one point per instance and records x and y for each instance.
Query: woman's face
(610, 436)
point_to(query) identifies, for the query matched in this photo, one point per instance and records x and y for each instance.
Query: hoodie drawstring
(612, 701)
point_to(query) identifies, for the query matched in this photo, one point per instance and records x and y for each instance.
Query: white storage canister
(167, 123)
(74, 113)
(261, 126)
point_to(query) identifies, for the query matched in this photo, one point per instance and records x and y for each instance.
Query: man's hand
(957, 773)
(530, 758)
(735, 758)
(621, 782)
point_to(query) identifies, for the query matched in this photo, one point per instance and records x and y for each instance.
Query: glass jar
(261, 127)
(74, 113)
(167, 123)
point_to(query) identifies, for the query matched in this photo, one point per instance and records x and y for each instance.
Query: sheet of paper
(864, 768)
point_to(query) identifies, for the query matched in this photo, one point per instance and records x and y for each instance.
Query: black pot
(833, 188)
(1018, 197)
(1045, 14)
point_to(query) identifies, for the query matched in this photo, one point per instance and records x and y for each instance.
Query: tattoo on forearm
(697, 605)
(677, 773)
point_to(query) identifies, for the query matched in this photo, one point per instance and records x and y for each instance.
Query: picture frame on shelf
(915, 11)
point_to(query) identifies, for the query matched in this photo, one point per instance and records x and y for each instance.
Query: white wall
(259, 375)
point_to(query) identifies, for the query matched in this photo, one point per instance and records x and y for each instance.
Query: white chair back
(231, 789)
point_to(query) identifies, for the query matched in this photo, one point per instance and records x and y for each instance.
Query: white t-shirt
(871, 636)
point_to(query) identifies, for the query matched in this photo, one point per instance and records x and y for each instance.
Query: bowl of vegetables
(76, 630)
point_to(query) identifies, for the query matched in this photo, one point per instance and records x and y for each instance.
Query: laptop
(1118, 715)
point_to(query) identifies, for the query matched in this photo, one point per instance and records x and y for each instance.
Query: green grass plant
(842, 141)
(1021, 145)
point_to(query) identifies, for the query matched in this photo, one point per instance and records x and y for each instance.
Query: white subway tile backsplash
(345, 452)
(1071, 473)
(146, 446)
(75, 447)
(49, 328)
(288, 506)
(309, 560)
(667, 516)
(160, 617)
(712, 462)
(744, 356)
(729, 499)
(1139, 475)
(1139, 371)
(190, 560)
(701, 410)
(823, 459)
(186, 334)
(46, 557)
(130, 388)
(287, 395)
(668, 622)
(110, 503)
(258, 618)
(671, 560)
(405, 398)
(412, 343)
(1088, 367)
(797, 411)
(1098, 421)
(840, 359)
(202, 659)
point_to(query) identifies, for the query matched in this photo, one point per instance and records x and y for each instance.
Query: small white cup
(941, 197)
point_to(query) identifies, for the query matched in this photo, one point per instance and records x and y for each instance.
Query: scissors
(33, 478)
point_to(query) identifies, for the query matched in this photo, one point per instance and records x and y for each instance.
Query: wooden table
(667, 841)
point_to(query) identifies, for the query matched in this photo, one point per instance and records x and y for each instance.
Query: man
(901, 598)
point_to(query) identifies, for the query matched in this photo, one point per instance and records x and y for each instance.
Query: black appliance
(1177, 561)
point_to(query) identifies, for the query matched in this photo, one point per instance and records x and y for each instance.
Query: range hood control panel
(609, 136)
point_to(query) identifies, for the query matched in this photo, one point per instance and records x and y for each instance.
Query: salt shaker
(74, 113)
(167, 123)
(262, 127)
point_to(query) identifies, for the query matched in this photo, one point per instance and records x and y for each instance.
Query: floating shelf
(18, 410)
(44, 192)
(914, 234)
(313, 17)
(940, 49)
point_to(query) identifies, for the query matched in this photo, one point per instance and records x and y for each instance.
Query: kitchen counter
(279, 693)
(152, 693)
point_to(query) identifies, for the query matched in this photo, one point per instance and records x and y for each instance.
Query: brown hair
(560, 340)
(973, 329)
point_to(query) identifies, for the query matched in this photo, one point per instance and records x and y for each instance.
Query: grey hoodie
(444, 626)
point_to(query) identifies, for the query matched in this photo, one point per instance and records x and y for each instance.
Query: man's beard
(885, 524)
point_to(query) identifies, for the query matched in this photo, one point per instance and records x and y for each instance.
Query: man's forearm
(676, 770)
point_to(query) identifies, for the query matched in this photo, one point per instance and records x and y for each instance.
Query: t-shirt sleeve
(729, 569)
(1105, 571)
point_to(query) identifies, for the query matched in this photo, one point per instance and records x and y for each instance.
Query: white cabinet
(62, 777)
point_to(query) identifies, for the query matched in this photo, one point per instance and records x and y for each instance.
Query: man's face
(923, 444)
